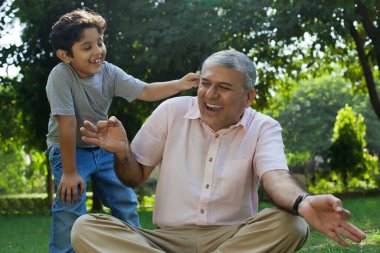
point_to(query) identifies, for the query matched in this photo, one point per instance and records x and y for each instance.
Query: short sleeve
(126, 86)
(59, 92)
(149, 143)
(269, 153)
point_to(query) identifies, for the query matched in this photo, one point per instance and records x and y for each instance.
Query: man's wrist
(298, 201)
(122, 154)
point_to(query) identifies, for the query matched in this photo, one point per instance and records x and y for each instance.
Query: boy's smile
(88, 53)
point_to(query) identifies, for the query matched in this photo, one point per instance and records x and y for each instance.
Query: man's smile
(213, 108)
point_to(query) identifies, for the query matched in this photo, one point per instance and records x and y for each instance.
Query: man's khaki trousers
(271, 230)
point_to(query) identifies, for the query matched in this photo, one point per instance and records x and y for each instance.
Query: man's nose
(212, 92)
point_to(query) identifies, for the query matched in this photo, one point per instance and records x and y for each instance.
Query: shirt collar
(194, 113)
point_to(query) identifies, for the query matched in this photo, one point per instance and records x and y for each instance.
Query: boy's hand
(68, 187)
(189, 81)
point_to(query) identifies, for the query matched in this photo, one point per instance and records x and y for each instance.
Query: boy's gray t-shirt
(86, 98)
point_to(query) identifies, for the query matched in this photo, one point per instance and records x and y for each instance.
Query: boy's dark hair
(68, 29)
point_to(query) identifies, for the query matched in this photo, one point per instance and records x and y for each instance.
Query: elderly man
(211, 153)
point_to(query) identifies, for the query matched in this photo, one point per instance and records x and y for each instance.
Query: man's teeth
(213, 107)
(95, 61)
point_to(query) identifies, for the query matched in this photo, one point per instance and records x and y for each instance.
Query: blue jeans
(98, 164)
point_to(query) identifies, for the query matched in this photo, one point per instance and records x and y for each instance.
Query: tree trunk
(368, 75)
(97, 205)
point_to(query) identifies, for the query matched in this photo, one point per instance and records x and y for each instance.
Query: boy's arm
(68, 186)
(160, 90)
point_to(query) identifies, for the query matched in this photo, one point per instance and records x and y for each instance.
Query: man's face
(221, 96)
(88, 54)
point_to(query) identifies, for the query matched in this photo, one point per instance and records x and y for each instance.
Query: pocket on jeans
(54, 153)
(55, 158)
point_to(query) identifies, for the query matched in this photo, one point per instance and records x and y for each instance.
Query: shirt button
(210, 159)
(216, 135)
(202, 211)
(207, 186)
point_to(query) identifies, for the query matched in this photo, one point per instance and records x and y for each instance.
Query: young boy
(82, 87)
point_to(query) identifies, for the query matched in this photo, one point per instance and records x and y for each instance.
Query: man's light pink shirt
(207, 177)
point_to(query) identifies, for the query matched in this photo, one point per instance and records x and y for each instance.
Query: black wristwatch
(297, 202)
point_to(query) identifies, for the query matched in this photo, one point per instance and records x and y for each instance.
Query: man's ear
(251, 95)
(63, 56)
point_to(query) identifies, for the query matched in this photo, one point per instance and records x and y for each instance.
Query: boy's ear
(63, 56)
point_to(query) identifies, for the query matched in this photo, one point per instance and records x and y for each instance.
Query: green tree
(347, 151)
(308, 115)
(289, 40)
(307, 118)
(161, 40)
(342, 32)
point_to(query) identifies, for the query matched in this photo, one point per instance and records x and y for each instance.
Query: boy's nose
(98, 50)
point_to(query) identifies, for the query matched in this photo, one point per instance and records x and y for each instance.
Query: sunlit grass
(30, 233)
(365, 215)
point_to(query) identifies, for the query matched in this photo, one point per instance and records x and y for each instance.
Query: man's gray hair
(235, 60)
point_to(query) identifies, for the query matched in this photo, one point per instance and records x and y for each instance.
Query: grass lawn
(30, 233)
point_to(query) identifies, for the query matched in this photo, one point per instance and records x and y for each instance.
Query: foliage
(20, 204)
(145, 193)
(323, 185)
(11, 176)
(343, 33)
(307, 118)
(347, 155)
(332, 183)
(162, 40)
(21, 172)
(154, 40)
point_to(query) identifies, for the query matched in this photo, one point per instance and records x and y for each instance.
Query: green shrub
(23, 204)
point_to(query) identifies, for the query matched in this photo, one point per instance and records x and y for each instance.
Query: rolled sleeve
(269, 153)
(149, 143)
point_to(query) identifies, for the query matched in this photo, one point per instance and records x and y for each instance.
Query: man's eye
(205, 84)
(225, 87)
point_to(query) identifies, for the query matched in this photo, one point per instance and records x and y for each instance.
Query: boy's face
(88, 54)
